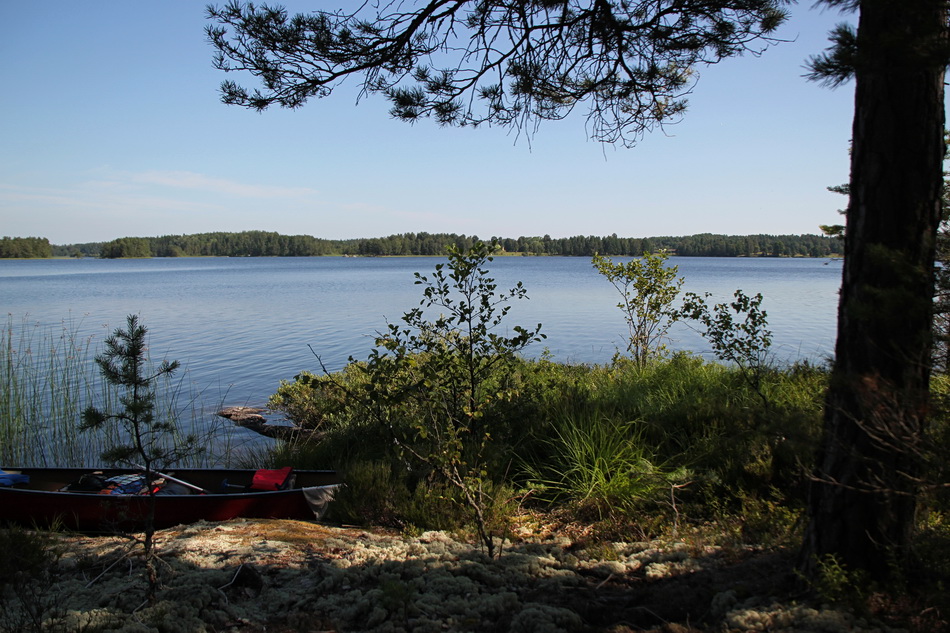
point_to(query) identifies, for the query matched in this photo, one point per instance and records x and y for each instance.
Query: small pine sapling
(148, 441)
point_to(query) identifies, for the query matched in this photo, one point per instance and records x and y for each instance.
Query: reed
(48, 376)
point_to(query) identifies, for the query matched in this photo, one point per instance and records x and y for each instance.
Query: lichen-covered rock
(312, 577)
(779, 618)
(545, 619)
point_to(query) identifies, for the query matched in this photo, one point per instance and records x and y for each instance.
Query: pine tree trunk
(862, 501)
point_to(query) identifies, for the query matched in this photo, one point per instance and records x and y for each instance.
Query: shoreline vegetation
(271, 244)
(669, 494)
(487, 491)
(49, 377)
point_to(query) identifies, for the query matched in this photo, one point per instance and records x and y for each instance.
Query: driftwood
(252, 418)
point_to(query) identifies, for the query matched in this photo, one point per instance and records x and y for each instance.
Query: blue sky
(112, 126)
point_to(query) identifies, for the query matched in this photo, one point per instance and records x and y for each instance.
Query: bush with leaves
(648, 288)
(777, 439)
(744, 342)
(438, 380)
(690, 414)
(566, 426)
(315, 401)
(357, 440)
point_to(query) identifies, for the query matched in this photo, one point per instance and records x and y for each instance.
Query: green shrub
(303, 401)
(769, 520)
(834, 583)
(569, 427)
(705, 417)
(932, 547)
(377, 493)
(647, 287)
(438, 385)
(318, 402)
(936, 447)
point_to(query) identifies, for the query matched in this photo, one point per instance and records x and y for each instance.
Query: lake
(241, 325)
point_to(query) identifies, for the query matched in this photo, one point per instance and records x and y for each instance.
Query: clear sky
(111, 126)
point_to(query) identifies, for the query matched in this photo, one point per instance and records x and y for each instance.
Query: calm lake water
(240, 325)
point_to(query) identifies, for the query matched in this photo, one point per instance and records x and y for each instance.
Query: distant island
(270, 244)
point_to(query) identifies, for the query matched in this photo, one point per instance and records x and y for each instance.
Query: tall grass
(48, 376)
(603, 464)
(47, 380)
(708, 418)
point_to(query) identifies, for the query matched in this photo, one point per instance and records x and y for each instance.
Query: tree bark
(863, 495)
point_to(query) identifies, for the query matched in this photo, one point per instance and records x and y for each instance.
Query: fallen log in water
(253, 419)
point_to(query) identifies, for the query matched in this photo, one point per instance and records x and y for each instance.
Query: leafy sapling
(648, 288)
(737, 331)
(438, 378)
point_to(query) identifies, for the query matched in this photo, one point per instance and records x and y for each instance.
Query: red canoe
(49, 497)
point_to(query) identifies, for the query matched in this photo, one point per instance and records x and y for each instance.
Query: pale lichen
(305, 575)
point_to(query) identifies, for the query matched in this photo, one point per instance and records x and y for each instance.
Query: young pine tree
(148, 441)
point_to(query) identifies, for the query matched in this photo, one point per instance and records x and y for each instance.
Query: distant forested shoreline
(270, 244)
(25, 248)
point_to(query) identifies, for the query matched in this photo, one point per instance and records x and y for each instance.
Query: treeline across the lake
(25, 247)
(271, 244)
(701, 245)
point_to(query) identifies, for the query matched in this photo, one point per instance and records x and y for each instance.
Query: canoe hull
(40, 503)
